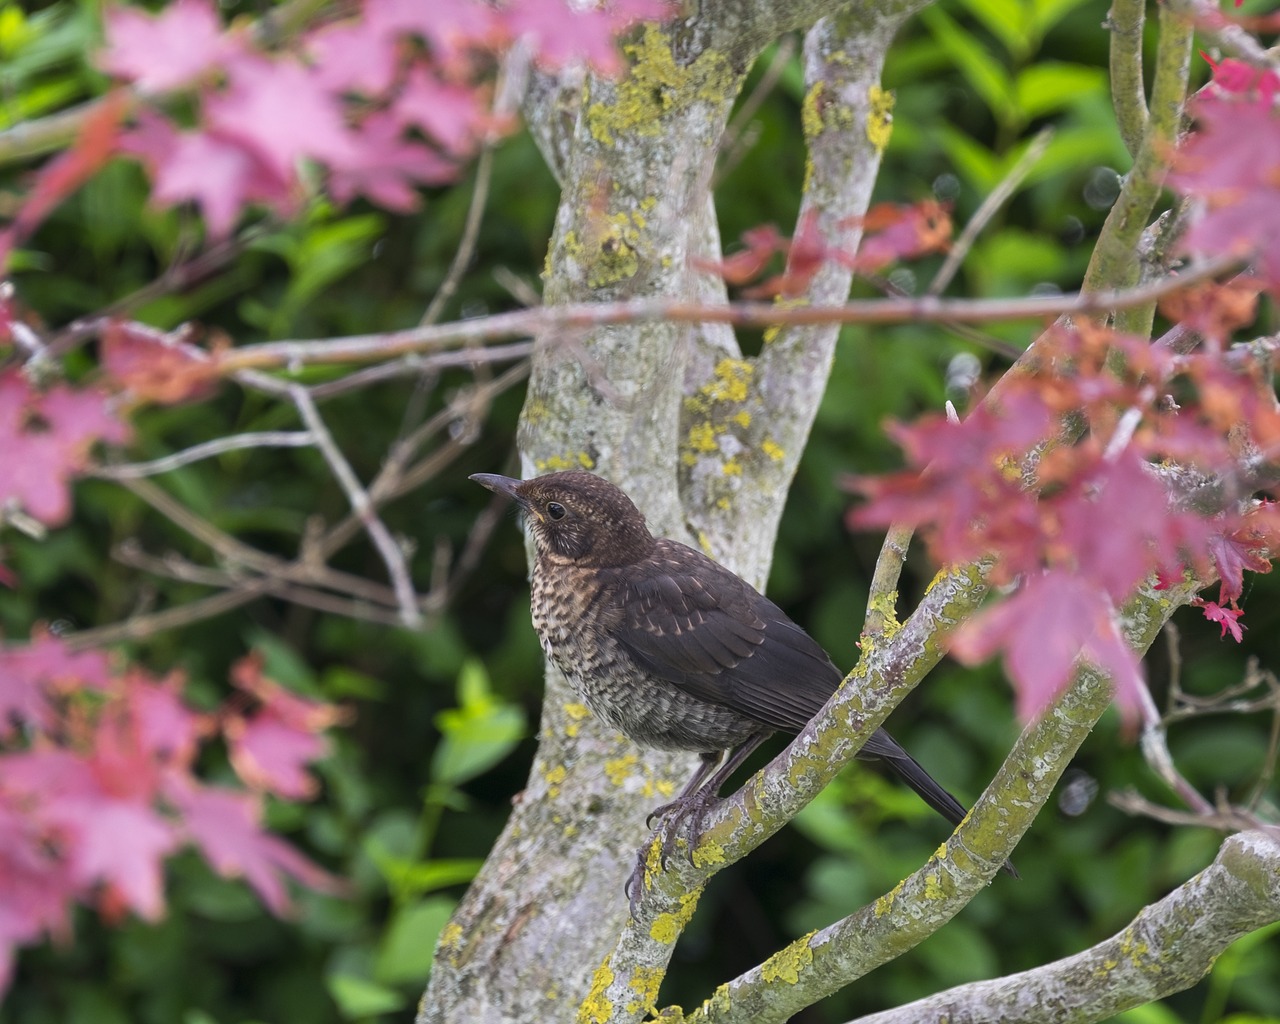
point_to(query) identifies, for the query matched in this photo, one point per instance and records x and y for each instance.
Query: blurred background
(419, 786)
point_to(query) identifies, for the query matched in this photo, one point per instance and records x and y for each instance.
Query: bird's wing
(694, 623)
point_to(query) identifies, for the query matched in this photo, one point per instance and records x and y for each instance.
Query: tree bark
(705, 440)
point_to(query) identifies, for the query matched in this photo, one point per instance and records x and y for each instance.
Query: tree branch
(1168, 947)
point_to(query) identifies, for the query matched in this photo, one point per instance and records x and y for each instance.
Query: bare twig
(734, 143)
(995, 199)
(207, 450)
(550, 320)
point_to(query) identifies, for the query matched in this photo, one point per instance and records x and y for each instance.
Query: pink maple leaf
(33, 883)
(167, 50)
(28, 674)
(155, 366)
(1054, 619)
(355, 56)
(270, 748)
(451, 115)
(47, 437)
(225, 826)
(450, 26)
(1227, 618)
(387, 167)
(283, 111)
(219, 174)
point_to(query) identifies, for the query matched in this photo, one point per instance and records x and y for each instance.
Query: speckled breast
(572, 617)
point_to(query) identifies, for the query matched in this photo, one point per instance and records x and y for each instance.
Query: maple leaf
(451, 27)
(1232, 162)
(1054, 619)
(221, 175)
(153, 366)
(898, 231)
(1227, 618)
(169, 49)
(271, 748)
(31, 673)
(357, 56)
(66, 172)
(47, 437)
(33, 882)
(283, 112)
(453, 116)
(225, 826)
(388, 166)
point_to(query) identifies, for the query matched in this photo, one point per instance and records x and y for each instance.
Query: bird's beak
(498, 484)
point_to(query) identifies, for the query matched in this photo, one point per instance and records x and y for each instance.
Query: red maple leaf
(226, 827)
(271, 747)
(562, 33)
(168, 50)
(47, 437)
(1053, 620)
(899, 231)
(153, 366)
(68, 171)
(220, 174)
(282, 111)
(1227, 618)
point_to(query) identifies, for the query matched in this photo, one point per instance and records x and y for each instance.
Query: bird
(671, 648)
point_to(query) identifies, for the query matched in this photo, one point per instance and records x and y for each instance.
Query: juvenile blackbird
(670, 647)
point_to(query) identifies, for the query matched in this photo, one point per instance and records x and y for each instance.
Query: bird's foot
(683, 816)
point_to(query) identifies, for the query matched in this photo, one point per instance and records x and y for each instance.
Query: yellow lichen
(786, 964)
(730, 381)
(618, 770)
(810, 118)
(555, 777)
(577, 714)
(645, 981)
(667, 927)
(656, 84)
(772, 449)
(702, 438)
(732, 468)
(742, 418)
(597, 1008)
(885, 903)
(451, 940)
(879, 117)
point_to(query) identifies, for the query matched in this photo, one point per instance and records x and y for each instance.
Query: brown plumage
(670, 647)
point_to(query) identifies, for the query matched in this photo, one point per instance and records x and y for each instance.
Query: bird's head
(577, 517)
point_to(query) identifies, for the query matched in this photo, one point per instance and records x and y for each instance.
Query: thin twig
(883, 594)
(362, 507)
(550, 320)
(996, 198)
(733, 145)
(207, 450)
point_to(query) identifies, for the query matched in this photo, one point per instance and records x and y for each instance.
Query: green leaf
(410, 941)
(1007, 20)
(1052, 85)
(979, 67)
(477, 734)
(980, 168)
(359, 997)
(420, 877)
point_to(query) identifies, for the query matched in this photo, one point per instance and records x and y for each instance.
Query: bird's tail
(883, 747)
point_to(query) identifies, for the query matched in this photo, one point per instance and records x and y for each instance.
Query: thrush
(670, 647)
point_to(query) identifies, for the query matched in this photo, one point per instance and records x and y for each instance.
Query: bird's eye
(555, 510)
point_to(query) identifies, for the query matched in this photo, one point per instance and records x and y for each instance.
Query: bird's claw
(680, 817)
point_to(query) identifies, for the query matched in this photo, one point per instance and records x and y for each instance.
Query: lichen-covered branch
(824, 961)
(1128, 93)
(1115, 263)
(1168, 947)
(745, 422)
